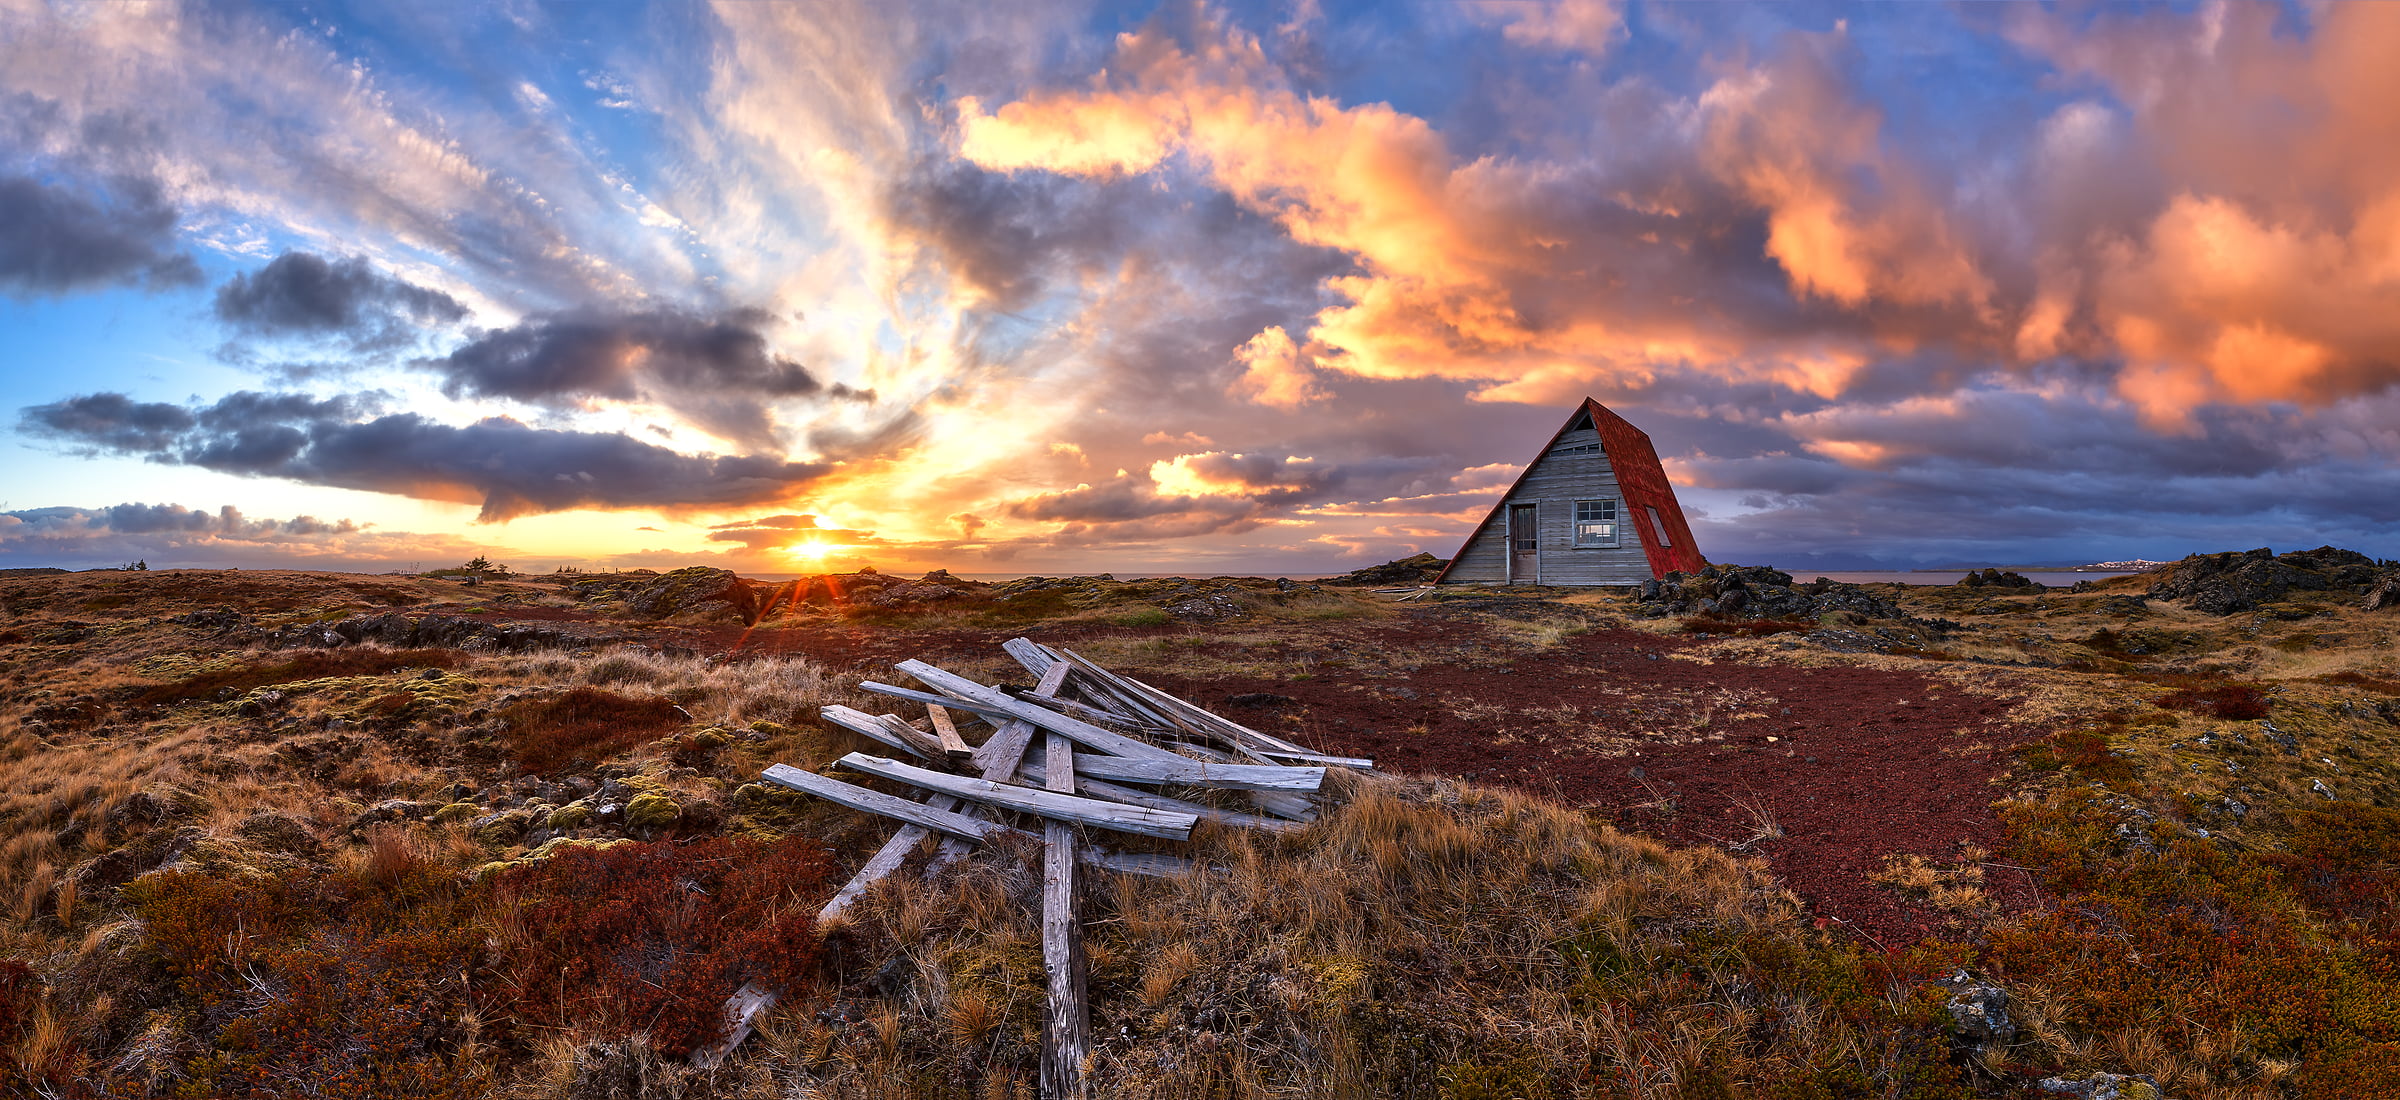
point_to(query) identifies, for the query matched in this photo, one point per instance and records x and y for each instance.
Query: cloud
(110, 422)
(304, 294)
(784, 531)
(511, 469)
(1274, 373)
(1777, 226)
(171, 535)
(57, 240)
(1588, 26)
(717, 370)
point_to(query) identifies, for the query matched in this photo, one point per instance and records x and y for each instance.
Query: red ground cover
(1863, 763)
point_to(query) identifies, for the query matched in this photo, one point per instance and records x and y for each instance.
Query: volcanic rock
(2221, 584)
(1757, 592)
(1421, 569)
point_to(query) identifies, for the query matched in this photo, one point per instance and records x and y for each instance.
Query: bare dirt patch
(1851, 765)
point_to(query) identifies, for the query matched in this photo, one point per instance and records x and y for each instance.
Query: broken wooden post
(953, 746)
(1065, 1031)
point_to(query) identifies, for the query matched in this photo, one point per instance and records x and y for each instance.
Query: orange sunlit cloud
(1005, 288)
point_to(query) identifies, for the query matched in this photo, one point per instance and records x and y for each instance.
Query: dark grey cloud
(2014, 476)
(513, 469)
(111, 422)
(1008, 235)
(172, 535)
(304, 294)
(714, 368)
(57, 239)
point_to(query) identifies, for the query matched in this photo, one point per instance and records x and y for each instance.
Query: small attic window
(1658, 525)
(1595, 523)
(1579, 449)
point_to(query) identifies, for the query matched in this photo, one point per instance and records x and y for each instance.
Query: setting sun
(809, 551)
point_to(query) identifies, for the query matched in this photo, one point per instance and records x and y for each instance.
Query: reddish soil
(1853, 764)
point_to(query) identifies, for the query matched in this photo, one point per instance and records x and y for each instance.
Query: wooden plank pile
(1084, 749)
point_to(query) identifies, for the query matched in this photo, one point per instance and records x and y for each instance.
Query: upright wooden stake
(953, 746)
(1066, 1039)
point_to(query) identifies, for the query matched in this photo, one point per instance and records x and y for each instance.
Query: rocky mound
(709, 591)
(2221, 584)
(1757, 592)
(697, 588)
(1997, 578)
(394, 629)
(1421, 569)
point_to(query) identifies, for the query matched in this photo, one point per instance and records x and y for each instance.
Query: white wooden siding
(1553, 485)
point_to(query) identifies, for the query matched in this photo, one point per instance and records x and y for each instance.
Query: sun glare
(808, 551)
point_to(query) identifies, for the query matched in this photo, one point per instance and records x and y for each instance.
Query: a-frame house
(1594, 507)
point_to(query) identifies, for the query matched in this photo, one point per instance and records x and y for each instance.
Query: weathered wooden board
(998, 758)
(1047, 804)
(932, 699)
(745, 1005)
(1094, 715)
(1083, 732)
(886, 860)
(953, 746)
(1131, 796)
(870, 727)
(1066, 1039)
(1035, 656)
(891, 806)
(1200, 773)
(1147, 864)
(1355, 763)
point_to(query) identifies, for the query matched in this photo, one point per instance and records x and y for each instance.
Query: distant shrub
(315, 664)
(583, 726)
(2375, 684)
(2226, 700)
(654, 937)
(1040, 603)
(625, 668)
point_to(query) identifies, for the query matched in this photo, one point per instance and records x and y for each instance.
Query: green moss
(573, 815)
(457, 812)
(549, 848)
(651, 810)
(504, 829)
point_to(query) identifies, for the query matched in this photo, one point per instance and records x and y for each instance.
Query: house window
(1660, 526)
(1595, 523)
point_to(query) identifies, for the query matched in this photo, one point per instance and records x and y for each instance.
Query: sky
(1271, 288)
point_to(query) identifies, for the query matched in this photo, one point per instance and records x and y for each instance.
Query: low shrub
(652, 938)
(2217, 951)
(318, 985)
(2210, 695)
(583, 726)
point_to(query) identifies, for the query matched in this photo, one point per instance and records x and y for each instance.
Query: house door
(1524, 548)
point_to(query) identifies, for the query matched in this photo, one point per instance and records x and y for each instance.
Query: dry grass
(1429, 939)
(1423, 938)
